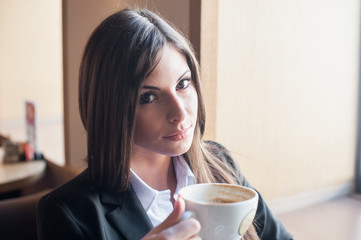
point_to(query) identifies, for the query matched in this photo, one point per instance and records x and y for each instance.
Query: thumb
(179, 208)
(174, 217)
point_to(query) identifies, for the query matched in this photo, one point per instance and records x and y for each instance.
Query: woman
(141, 104)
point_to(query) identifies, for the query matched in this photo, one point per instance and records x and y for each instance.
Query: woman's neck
(154, 169)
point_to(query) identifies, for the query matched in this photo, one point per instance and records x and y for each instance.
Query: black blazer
(80, 210)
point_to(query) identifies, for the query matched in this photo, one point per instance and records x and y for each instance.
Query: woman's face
(167, 109)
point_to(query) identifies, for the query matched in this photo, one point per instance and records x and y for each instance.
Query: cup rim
(255, 194)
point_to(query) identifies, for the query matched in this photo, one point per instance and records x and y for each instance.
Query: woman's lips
(178, 136)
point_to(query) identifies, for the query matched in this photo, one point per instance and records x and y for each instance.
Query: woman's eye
(146, 98)
(184, 83)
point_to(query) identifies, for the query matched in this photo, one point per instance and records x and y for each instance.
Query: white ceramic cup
(225, 211)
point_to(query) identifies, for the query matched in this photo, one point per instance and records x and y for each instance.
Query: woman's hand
(172, 228)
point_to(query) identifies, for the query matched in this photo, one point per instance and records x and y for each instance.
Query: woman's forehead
(171, 66)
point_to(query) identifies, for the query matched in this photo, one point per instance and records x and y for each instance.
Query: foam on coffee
(217, 194)
(221, 201)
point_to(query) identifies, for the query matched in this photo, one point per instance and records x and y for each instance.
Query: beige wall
(31, 69)
(30, 59)
(287, 91)
(209, 63)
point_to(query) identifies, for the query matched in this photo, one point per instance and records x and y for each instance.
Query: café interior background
(280, 77)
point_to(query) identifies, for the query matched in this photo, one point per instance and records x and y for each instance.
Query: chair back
(18, 217)
(18, 214)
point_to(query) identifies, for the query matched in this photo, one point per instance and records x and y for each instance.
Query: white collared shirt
(157, 204)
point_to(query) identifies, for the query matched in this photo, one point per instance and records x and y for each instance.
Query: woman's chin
(177, 150)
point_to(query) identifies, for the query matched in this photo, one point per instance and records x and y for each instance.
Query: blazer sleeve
(55, 222)
(268, 227)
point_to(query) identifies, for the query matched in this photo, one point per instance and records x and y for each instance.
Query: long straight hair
(121, 52)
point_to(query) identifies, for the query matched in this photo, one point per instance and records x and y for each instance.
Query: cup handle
(187, 214)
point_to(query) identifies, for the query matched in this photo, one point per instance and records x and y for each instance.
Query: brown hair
(121, 52)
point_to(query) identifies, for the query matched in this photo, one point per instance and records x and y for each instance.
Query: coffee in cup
(225, 211)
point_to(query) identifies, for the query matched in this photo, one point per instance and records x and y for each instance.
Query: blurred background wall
(31, 69)
(280, 80)
(287, 95)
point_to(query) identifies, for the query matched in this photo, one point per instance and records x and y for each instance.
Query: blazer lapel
(129, 217)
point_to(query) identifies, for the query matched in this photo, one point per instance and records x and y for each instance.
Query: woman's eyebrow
(151, 87)
(187, 71)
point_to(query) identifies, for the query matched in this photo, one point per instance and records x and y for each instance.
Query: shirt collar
(185, 176)
(148, 195)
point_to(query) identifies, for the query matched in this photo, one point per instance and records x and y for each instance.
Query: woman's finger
(173, 218)
(187, 229)
(173, 228)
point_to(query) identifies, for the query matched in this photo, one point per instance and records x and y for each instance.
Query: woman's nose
(176, 110)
